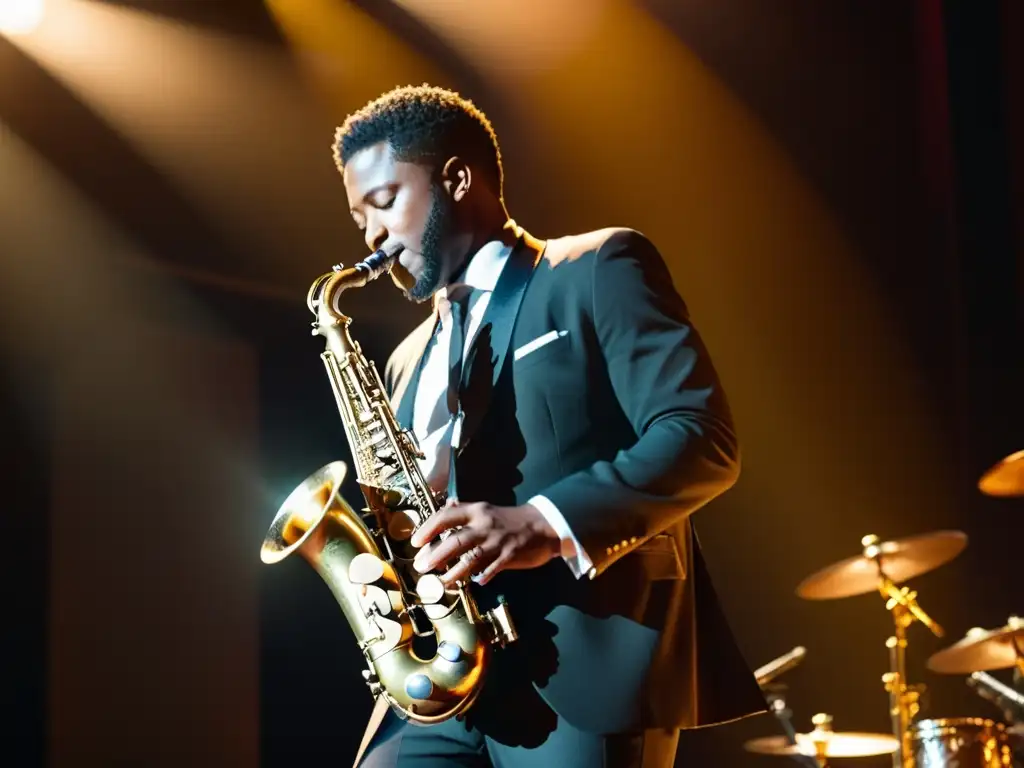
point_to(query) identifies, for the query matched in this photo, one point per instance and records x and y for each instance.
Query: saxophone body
(365, 558)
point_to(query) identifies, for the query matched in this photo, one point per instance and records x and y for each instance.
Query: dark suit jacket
(622, 423)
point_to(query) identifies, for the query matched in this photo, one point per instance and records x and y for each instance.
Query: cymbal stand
(820, 737)
(903, 698)
(777, 703)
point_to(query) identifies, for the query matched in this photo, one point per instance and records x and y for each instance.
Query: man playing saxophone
(561, 393)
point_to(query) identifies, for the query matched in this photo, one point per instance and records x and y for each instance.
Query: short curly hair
(423, 124)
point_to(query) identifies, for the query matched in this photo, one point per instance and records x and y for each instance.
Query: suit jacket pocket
(541, 348)
(659, 558)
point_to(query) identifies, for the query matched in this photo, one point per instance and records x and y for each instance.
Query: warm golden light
(19, 17)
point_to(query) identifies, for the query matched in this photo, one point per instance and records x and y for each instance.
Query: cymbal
(981, 650)
(836, 744)
(900, 559)
(1005, 477)
(823, 742)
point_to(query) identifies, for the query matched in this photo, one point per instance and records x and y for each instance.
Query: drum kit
(884, 567)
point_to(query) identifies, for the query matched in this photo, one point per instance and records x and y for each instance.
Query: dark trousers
(457, 743)
(512, 726)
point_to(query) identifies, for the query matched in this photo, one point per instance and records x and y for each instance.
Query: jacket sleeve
(686, 452)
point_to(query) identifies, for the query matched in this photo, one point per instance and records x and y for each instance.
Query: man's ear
(457, 178)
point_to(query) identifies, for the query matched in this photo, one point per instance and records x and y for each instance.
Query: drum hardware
(779, 666)
(967, 742)
(983, 650)
(883, 566)
(904, 699)
(998, 693)
(1005, 477)
(775, 695)
(823, 743)
(776, 698)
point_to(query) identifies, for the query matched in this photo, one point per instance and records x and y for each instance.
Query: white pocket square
(540, 341)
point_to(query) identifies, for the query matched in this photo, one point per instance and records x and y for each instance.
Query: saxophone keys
(430, 589)
(411, 445)
(375, 602)
(389, 634)
(401, 526)
(393, 498)
(502, 627)
(419, 686)
(438, 611)
(450, 652)
(372, 681)
(376, 688)
(366, 568)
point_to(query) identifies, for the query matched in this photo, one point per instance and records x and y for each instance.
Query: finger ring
(473, 554)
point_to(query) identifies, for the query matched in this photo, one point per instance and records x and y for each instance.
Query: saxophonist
(561, 393)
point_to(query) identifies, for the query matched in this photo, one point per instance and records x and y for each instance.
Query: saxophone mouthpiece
(377, 263)
(380, 261)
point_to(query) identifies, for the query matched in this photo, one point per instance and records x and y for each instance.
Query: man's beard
(438, 223)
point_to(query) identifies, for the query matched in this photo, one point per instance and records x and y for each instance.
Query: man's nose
(375, 237)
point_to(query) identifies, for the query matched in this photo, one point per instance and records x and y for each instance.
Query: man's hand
(498, 538)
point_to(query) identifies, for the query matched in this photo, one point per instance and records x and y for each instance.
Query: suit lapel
(486, 357)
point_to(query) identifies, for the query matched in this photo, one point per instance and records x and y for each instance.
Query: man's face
(398, 202)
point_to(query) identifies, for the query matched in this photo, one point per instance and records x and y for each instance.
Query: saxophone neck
(325, 292)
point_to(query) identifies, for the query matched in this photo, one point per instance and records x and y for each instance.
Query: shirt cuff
(572, 551)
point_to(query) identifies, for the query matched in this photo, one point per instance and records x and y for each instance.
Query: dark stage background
(837, 187)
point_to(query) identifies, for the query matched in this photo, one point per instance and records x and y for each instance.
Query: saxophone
(366, 558)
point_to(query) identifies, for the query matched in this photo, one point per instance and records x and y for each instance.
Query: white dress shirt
(432, 424)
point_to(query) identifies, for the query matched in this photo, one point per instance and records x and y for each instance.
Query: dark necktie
(458, 340)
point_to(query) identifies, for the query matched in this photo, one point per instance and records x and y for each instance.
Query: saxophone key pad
(449, 651)
(430, 588)
(418, 686)
(401, 525)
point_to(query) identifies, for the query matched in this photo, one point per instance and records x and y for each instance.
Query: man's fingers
(442, 520)
(469, 565)
(497, 565)
(454, 545)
